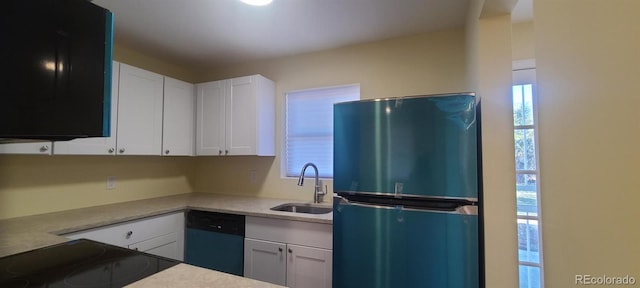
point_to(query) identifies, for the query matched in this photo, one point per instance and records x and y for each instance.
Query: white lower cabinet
(265, 261)
(308, 266)
(161, 235)
(166, 245)
(288, 253)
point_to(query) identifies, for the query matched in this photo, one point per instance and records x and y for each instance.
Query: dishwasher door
(215, 241)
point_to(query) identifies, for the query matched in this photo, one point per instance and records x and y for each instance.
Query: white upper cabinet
(79, 146)
(250, 116)
(41, 148)
(179, 122)
(153, 106)
(156, 115)
(139, 112)
(236, 117)
(210, 123)
(96, 145)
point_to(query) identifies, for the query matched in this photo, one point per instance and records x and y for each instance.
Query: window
(309, 127)
(527, 179)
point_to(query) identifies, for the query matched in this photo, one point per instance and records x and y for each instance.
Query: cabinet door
(165, 246)
(138, 231)
(241, 116)
(266, 119)
(178, 125)
(308, 267)
(42, 148)
(96, 145)
(265, 261)
(139, 112)
(117, 235)
(210, 123)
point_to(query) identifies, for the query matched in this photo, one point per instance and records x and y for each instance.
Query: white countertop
(188, 276)
(31, 232)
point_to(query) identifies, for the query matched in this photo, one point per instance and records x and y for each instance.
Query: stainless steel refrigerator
(407, 177)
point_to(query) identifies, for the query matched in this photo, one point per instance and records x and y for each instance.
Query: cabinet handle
(219, 152)
(166, 152)
(280, 249)
(44, 148)
(226, 152)
(111, 150)
(121, 150)
(290, 251)
(129, 234)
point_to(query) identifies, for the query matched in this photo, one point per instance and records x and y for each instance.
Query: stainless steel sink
(303, 208)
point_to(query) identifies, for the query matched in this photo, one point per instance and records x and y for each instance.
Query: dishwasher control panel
(217, 222)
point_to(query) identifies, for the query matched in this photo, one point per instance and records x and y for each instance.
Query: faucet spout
(318, 194)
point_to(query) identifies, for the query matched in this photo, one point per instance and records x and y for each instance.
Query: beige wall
(39, 184)
(427, 63)
(471, 44)
(423, 64)
(522, 41)
(489, 73)
(587, 72)
(494, 88)
(141, 60)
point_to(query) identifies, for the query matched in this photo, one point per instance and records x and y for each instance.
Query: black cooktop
(79, 263)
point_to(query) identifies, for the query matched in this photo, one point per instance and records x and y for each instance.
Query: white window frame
(524, 73)
(283, 126)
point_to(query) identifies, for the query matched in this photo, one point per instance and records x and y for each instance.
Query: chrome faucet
(318, 194)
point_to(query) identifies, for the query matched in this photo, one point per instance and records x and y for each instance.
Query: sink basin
(303, 208)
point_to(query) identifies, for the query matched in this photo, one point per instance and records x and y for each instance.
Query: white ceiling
(523, 11)
(209, 33)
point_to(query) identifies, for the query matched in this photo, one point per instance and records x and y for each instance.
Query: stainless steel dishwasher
(215, 241)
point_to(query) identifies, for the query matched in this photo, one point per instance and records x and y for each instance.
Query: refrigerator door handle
(467, 210)
(340, 201)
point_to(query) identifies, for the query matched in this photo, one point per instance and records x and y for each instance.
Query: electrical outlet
(111, 182)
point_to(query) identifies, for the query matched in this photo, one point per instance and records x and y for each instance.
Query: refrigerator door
(395, 247)
(418, 146)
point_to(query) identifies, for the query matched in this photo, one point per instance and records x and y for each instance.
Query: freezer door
(421, 146)
(394, 247)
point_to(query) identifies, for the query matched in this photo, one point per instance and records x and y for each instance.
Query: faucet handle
(319, 195)
(320, 190)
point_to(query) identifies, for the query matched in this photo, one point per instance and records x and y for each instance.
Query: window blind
(309, 127)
